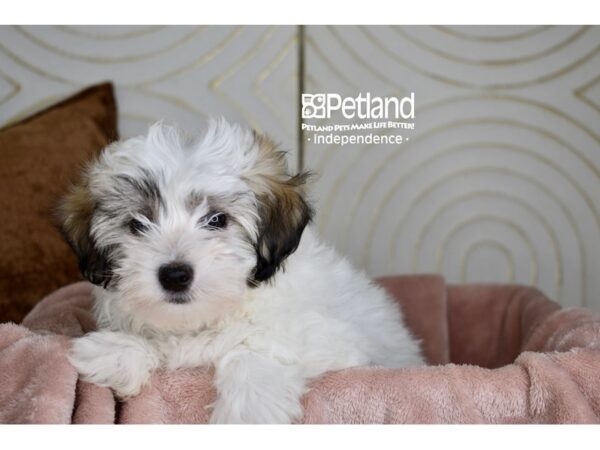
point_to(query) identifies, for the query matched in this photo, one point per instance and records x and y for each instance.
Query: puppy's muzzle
(175, 277)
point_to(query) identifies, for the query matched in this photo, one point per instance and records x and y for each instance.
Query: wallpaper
(499, 182)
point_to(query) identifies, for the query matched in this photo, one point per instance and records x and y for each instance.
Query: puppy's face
(179, 229)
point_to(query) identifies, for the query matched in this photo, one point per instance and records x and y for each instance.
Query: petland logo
(363, 106)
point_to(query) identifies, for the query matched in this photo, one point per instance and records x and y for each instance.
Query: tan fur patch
(75, 212)
(283, 211)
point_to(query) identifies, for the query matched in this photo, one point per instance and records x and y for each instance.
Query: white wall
(500, 181)
(183, 73)
(501, 178)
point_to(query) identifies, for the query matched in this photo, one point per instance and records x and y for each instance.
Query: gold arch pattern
(222, 51)
(114, 59)
(558, 275)
(112, 36)
(440, 77)
(496, 219)
(451, 31)
(487, 243)
(570, 39)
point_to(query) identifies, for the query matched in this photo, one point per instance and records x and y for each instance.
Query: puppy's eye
(216, 221)
(136, 227)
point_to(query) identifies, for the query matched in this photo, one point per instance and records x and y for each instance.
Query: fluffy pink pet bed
(499, 354)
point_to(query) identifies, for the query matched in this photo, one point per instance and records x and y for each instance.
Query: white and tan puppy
(201, 255)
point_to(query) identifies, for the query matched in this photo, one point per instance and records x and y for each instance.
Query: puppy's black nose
(175, 277)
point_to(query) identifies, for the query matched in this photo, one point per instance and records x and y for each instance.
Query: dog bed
(498, 354)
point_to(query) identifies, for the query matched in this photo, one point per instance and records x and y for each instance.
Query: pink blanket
(499, 354)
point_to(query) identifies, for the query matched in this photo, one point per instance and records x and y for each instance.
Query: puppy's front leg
(111, 359)
(253, 388)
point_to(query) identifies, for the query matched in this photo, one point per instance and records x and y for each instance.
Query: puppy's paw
(256, 388)
(115, 360)
(258, 411)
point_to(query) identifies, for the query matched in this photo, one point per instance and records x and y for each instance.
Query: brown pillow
(39, 156)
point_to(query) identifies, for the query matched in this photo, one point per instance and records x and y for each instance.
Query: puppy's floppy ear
(75, 213)
(283, 211)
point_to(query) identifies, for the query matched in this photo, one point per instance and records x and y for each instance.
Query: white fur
(317, 315)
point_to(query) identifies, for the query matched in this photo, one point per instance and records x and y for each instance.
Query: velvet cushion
(39, 156)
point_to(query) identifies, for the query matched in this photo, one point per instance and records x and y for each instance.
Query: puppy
(200, 254)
